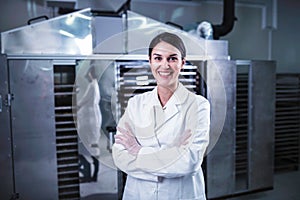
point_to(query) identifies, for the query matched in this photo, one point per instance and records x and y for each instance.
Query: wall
(265, 29)
(286, 39)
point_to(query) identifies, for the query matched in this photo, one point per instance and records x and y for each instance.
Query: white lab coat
(89, 117)
(161, 170)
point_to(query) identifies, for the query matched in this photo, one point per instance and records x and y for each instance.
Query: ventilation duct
(228, 20)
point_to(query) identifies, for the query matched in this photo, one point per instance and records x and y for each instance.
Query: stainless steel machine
(43, 68)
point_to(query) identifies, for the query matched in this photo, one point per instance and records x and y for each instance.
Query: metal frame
(33, 138)
(220, 161)
(6, 157)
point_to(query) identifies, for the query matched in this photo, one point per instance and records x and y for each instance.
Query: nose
(165, 63)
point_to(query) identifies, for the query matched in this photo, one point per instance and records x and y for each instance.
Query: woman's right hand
(128, 140)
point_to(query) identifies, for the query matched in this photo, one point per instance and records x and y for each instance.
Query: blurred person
(89, 127)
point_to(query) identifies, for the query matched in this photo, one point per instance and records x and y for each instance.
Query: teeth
(164, 73)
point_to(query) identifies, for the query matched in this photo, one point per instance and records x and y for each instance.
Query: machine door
(241, 160)
(6, 172)
(95, 86)
(220, 79)
(32, 129)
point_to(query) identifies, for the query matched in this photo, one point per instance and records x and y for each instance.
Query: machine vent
(66, 134)
(241, 162)
(287, 122)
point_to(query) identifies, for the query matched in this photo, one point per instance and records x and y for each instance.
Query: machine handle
(8, 100)
(111, 131)
(37, 18)
(174, 25)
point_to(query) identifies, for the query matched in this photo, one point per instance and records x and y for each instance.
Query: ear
(183, 63)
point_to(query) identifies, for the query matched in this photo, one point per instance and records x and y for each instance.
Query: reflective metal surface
(6, 157)
(220, 168)
(81, 33)
(65, 35)
(98, 174)
(120, 55)
(33, 128)
(242, 159)
(261, 141)
(109, 39)
(142, 29)
(101, 5)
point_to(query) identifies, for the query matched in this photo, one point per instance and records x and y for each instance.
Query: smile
(164, 73)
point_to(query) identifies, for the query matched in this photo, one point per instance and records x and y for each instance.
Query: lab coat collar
(179, 97)
(172, 107)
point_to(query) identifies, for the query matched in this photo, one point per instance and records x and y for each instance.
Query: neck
(164, 94)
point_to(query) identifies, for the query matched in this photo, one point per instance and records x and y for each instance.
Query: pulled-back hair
(169, 38)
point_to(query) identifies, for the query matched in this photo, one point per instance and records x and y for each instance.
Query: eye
(157, 58)
(172, 59)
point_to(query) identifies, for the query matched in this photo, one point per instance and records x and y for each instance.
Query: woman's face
(166, 63)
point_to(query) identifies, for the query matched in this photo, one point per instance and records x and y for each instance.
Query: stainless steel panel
(220, 161)
(108, 39)
(74, 34)
(6, 172)
(263, 119)
(65, 35)
(103, 5)
(142, 29)
(33, 128)
(98, 174)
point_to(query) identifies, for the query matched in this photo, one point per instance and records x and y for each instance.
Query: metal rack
(241, 143)
(66, 133)
(245, 147)
(287, 125)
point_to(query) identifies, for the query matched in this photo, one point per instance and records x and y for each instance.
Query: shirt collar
(179, 96)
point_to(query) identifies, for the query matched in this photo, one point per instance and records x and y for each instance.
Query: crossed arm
(131, 144)
(182, 157)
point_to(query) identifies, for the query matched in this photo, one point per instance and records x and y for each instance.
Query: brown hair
(169, 38)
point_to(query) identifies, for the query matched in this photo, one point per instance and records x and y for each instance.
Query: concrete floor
(286, 187)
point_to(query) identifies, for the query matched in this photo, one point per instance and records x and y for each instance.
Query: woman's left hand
(128, 140)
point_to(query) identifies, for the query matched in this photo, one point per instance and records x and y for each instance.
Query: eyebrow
(156, 54)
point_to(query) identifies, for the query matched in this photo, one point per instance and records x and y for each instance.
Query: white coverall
(89, 117)
(163, 170)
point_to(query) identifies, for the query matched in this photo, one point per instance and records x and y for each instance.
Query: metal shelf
(287, 122)
(66, 134)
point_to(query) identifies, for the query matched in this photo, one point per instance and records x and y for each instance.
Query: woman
(163, 134)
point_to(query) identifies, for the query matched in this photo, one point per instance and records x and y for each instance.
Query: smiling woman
(167, 57)
(164, 133)
(166, 64)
